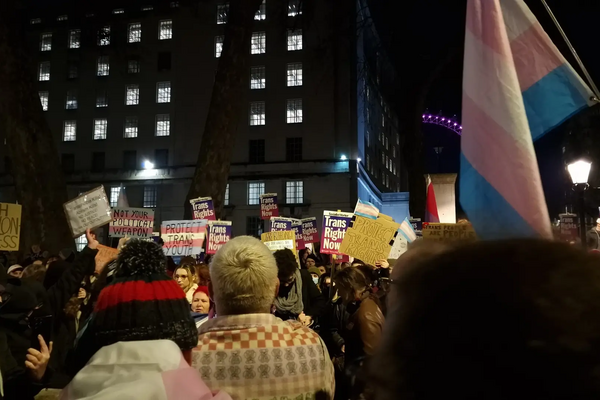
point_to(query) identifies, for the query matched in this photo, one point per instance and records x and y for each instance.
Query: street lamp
(580, 172)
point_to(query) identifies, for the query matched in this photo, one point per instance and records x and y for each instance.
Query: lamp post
(580, 172)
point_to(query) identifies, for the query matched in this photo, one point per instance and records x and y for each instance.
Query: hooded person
(141, 318)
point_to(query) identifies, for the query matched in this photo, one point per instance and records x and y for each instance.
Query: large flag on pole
(516, 87)
(431, 209)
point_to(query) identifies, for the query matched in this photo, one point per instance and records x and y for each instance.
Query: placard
(91, 210)
(279, 240)
(417, 225)
(335, 225)
(370, 240)
(448, 232)
(309, 230)
(183, 238)
(132, 222)
(297, 228)
(10, 226)
(268, 206)
(280, 224)
(104, 256)
(203, 208)
(400, 246)
(219, 233)
(568, 227)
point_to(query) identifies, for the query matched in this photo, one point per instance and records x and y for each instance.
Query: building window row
(294, 113)
(130, 129)
(258, 76)
(258, 42)
(294, 8)
(294, 192)
(293, 150)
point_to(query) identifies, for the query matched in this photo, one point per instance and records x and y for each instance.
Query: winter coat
(313, 300)
(362, 332)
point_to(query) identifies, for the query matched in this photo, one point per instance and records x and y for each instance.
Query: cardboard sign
(132, 222)
(335, 225)
(268, 206)
(203, 208)
(309, 230)
(279, 240)
(91, 210)
(366, 209)
(297, 228)
(568, 227)
(448, 232)
(370, 240)
(10, 226)
(281, 224)
(219, 233)
(400, 246)
(183, 238)
(104, 256)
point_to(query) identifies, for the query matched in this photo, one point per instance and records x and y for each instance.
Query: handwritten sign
(448, 232)
(279, 240)
(335, 225)
(309, 230)
(297, 228)
(183, 238)
(132, 222)
(370, 240)
(268, 206)
(203, 208)
(219, 233)
(91, 210)
(104, 256)
(281, 224)
(10, 226)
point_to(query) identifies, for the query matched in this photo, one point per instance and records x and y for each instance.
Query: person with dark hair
(203, 274)
(298, 297)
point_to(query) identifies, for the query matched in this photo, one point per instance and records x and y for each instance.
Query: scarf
(293, 302)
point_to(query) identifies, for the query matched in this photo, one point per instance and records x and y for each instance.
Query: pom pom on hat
(139, 257)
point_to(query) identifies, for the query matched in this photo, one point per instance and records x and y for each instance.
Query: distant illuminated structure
(449, 123)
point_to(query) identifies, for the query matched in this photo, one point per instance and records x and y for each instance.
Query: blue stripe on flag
(552, 100)
(491, 215)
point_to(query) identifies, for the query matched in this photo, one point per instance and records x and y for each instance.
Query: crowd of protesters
(511, 319)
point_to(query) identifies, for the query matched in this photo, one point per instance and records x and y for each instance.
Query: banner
(568, 227)
(10, 226)
(281, 224)
(297, 228)
(91, 210)
(448, 232)
(335, 225)
(203, 208)
(268, 206)
(132, 222)
(104, 256)
(219, 233)
(370, 240)
(309, 230)
(279, 240)
(366, 209)
(183, 238)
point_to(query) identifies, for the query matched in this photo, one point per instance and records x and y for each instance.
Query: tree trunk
(226, 108)
(39, 183)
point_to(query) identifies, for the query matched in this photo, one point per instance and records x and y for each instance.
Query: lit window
(222, 11)
(294, 111)
(255, 189)
(368, 163)
(100, 128)
(114, 196)
(62, 18)
(219, 45)
(103, 68)
(259, 43)
(257, 77)
(73, 70)
(104, 36)
(294, 74)
(294, 8)
(101, 99)
(132, 97)
(70, 131)
(74, 39)
(387, 143)
(71, 103)
(294, 192)
(46, 41)
(44, 100)
(294, 39)
(163, 125)
(257, 113)
(261, 14)
(35, 21)
(118, 11)
(383, 120)
(147, 8)
(133, 67)
(397, 138)
(131, 127)
(150, 196)
(163, 92)
(134, 33)
(174, 4)
(165, 29)
(226, 199)
(394, 151)
(81, 242)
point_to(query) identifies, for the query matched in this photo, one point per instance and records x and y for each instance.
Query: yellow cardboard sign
(369, 239)
(279, 240)
(10, 226)
(104, 256)
(448, 232)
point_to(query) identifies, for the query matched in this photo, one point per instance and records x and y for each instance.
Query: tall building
(126, 89)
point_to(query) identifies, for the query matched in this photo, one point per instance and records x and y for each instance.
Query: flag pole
(566, 39)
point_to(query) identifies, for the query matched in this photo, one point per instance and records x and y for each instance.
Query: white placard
(91, 210)
(400, 246)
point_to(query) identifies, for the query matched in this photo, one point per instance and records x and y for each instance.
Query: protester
(593, 237)
(315, 273)
(15, 271)
(201, 305)
(311, 261)
(290, 362)
(298, 297)
(142, 318)
(185, 276)
(203, 274)
(37, 272)
(322, 268)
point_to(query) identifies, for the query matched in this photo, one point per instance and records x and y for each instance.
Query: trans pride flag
(516, 87)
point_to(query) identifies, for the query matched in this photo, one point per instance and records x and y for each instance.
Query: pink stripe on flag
(482, 25)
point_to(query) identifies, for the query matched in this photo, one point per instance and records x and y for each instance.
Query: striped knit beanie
(143, 302)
